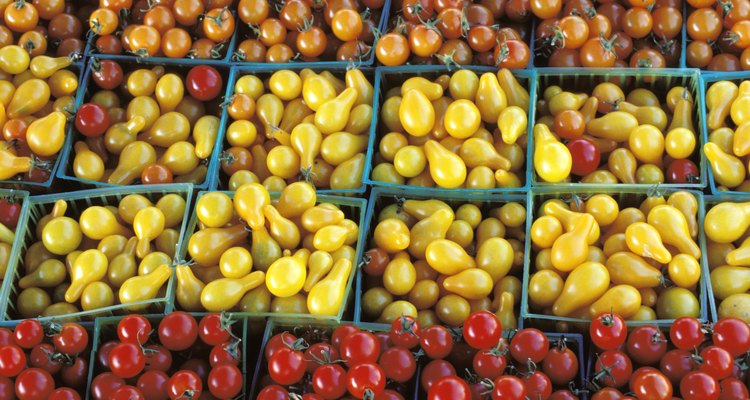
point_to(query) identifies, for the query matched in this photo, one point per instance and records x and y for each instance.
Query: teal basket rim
(357, 203)
(528, 74)
(15, 250)
(185, 190)
(529, 316)
(684, 73)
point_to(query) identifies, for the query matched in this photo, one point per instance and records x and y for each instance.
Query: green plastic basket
(657, 80)
(105, 329)
(389, 77)
(18, 242)
(631, 197)
(710, 202)
(77, 202)
(381, 197)
(319, 329)
(353, 208)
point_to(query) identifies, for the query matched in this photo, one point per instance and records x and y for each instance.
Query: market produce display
(371, 199)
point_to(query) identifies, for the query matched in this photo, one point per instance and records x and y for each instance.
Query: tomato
(227, 352)
(72, 339)
(134, 329)
(704, 24)
(687, 333)
(436, 342)
(529, 344)
(34, 384)
(156, 174)
(359, 347)
(342, 332)
(733, 335)
(42, 357)
(682, 171)
(311, 42)
(716, 362)
(107, 74)
(365, 379)
(398, 364)
(158, 358)
(273, 392)
(12, 360)
(650, 384)
(6, 337)
(613, 368)
(586, 156)
(597, 52)
(102, 354)
(184, 383)
(329, 381)
(319, 354)
(214, 329)
(482, 330)
(178, 331)
(21, 16)
(646, 345)
(63, 393)
(92, 120)
(104, 384)
(425, 41)
(675, 364)
(449, 387)
(508, 387)
(511, 53)
(278, 342)
(127, 360)
(538, 385)
(153, 384)
(225, 381)
(561, 364)
(732, 388)
(28, 333)
(204, 82)
(392, 49)
(218, 24)
(287, 366)
(405, 330)
(10, 210)
(489, 364)
(75, 375)
(127, 392)
(199, 366)
(433, 371)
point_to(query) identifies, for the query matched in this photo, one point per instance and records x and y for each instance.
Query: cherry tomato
(225, 381)
(436, 341)
(153, 384)
(204, 82)
(716, 362)
(227, 352)
(10, 211)
(646, 345)
(72, 339)
(329, 381)
(12, 360)
(273, 392)
(489, 364)
(449, 387)
(42, 357)
(586, 156)
(405, 330)
(529, 344)
(158, 358)
(214, 329)
(482, 330)
(134, 329)
(538, 385)
(682, 171)
(686, 333)
(104, 384)
(127, 392)
(28, 333)
(359, 347)
(278, 342)
(184, 383)
(675, 364)
(613, 368)
(178, 331)
(107, 74)
(287, 366)
(398, 364)
(732, 335)
(508, 387)
(365, 379)
(127, 360)
(319, 354)
(156, 174)
(34, 384)
(561, 365)
(340, 333)
(92, 120)
(651, 384)
(435, 370)
(75, 375)
(63, 393)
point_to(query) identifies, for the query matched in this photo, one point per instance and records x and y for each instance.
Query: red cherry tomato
(204, 83)
(586, 156)
(92, 120)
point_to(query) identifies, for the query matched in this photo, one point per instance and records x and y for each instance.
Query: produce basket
(313, 332)
(353, 208)
(220, 179)
(389, 78)
(88, 88)
(712, 261)
(12, 254)
(246, 32)
(707, 79)
(381, 198)
(625, 198)
(659, 81)
(41, 206)
(45, 185)
(105, 330)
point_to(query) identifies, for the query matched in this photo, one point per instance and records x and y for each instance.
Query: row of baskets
(357, 304)
(387, 78)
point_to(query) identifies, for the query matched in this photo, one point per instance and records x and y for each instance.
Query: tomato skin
(273, 392)
(489, 365)
(538, 385)
(586, 156)
(158, 358)
(34, 384)
(92, 120)
(365, 378)
(433, 371)
(178, 331)
(359, 347)
(449, 387)
(561, 365)
(107, 75)
(72, 339)
(619, 365)
(686, 333)
(287, 366)
(398, 364)
(646, 345)
(153, 384)
(699, 385)
(28, 333)
(40, 357)
(732, 335)
(482, 330)
(183, 382)
(436, 341)
(75, 375)
(12, 360)
(104, 384)
(204, 82)
(10, 211)
(6, 337)
(647, 382)
(682, 171)
(63, 393)
(529, 344)
(716, 362)
(509, 387)
(127, 360)
(213, 330)
(225, 381)
(405, 330)
(732, 388)
(278, 342)
(329, 381)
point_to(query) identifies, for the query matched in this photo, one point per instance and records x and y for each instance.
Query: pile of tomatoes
(151, 126)
(301, 253)
(84, 257)
(10, 212)
(47, 361)
(691, 360)
(596, 255)
(457, 32)
(303, 30)
(52, 27)
(298, 124)
(37, 96)
(719, 34)
(633, 33)
(317, 363)
(456, 131)
(173, 29)
(438, 262)
(181, 359)
(645, 138)
(727, 248)
(728, 123)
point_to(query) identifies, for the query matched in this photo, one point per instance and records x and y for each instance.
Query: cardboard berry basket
(659, 81)
(353, 209)
(626, 198)
(88, 88)
(77, 202)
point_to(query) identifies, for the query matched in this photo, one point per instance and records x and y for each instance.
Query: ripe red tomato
(273, 392)
(107, 74)
(204, 82)
(613, 368)
(509, 387)
(287, 366)
(104, 384)
(184, 383)
(482, 330)
(225, 381)
(227, 352)
(359, 347)
(649, 383)
(529, 344)
(433, 371)
(92, 120)
(28, 333)
(732, 335)
(102, 354)
(489, 364)
(686, 333)
(364, 379)
(716, 362)
(318, 354)
(72, 339)
(448, 388)
(278, 342)
(12, 360)
(646, 345)
(6, 337)
(699, 385)
(153, 384)
(682, 171)
(586, 156)
(733, 388)
(405, 332)
(561, 365)
(538, 385)
(158, 358)
(42, 357)
(134, 328)
(63, 393)
(76, 374)
(127, 392)
(178, 331)
(436, 342)
(10, 210)
(675, 364)
(34, 384)
(398, 363)
(341, 332)
(329, 381)
(127, 360)
(214, 329)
